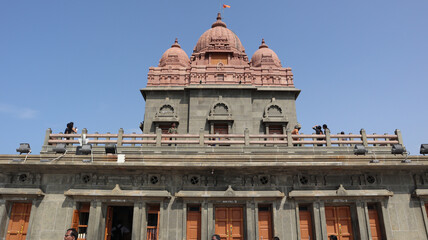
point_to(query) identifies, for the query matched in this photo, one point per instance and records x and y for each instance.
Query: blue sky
(359, 64)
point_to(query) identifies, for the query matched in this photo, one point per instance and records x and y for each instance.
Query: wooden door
(18, 223)
(153, 223)
(194, 223)
(374, 223)
(305, 223)
(229, 223)
(276, 129)
(109, 223)
(221, 128)
(80, 220)
(265, 223)
(339, 222)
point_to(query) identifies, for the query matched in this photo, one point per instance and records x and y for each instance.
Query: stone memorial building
(216, 156)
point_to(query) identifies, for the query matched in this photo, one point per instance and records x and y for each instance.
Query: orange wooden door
(374, 223)
(109, 223)
(153, 223)
(305, 223)
(18, 223)
(194, 223)
(221, 128)
(339, 222)
(229, 223)
(276, 129)
(265, 223)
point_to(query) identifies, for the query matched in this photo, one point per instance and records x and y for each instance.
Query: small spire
(263, 45)
(176, 44)
(219, 22)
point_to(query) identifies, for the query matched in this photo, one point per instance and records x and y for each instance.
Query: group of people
(318, 130)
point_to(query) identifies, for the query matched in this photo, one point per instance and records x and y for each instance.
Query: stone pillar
(33, 219)
(320, 223)
(296, 207)
(327, 138)
(289, 139)
(385, 218)
(364, 137)
(95, 229)
(424, 216)
(363, 220)
(247, 137)
(184, 221)
(137, 220)
(120, 137)
(158, 137)
(143, 225)
(399, 136)
(46, 141)
(3, 217)
(210, 218)
(163, 220)
(251, 214)
(201, 137)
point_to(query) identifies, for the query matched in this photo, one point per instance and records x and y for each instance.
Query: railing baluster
(47, 136)
(364, 137)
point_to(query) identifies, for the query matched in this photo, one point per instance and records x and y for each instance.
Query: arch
(220, 110)
(167, 112)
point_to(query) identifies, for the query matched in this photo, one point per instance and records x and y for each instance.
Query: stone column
(251, 213)
(143, 225)
(327, 138)
(363, 220)
(95, 223)
(33, 219)
(3, 217)
(385, 218)
(184, 220)
(137, 220)
(364, 137)
(296, 207)
(210, 218)
(320, 223)
(163, 221)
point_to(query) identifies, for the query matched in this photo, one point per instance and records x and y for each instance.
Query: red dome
(174, 56)
(219, 33)
(265, 56)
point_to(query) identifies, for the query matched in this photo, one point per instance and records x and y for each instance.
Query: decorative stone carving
(167, 112)
(274, 112)
(220, 110)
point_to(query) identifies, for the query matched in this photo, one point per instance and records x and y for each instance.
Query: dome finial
(263, 45)
(219, 22)
(176, 44)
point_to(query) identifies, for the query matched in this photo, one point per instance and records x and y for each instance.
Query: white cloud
(17, 112)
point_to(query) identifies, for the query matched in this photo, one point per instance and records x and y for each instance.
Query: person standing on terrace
(70, 128)
(324, 127)
(296, 132)
(318, 131)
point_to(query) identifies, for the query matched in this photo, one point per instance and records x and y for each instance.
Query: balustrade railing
(204, 139)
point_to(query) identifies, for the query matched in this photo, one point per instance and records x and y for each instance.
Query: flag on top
(226, 6)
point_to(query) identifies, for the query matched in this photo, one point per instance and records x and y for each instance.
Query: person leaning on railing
(296, 132)
(70, 128)
(172, 130)
(318, 131)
